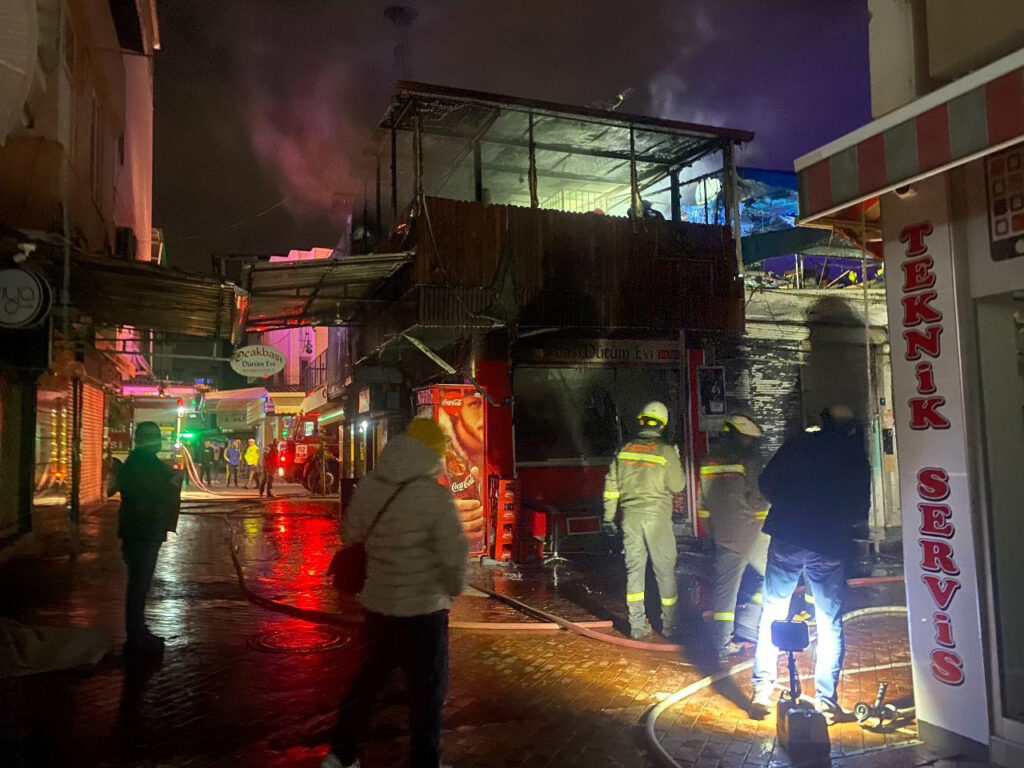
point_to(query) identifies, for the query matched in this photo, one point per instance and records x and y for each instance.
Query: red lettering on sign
(935, 520)
(917, 310)
(937, 556)
(942, 590)
(947, 667)
(925, 378)
(944, 630)
(924, 413)
(927, 341)
(917, 274)
(933, 483)
(914, 235)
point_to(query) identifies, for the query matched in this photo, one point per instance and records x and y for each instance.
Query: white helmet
(741, 424)
(656, 411)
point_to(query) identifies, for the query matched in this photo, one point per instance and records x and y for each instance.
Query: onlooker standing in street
(269, 469)
(735, 511)
(233, 455)
(252, 463)
(417, 554)
(206, 463)
(150, 494)
(219, 461)
(819, 486)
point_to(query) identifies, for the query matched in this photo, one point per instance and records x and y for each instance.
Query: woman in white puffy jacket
(417, 555)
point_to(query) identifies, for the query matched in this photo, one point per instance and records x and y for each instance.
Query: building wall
(963, 36)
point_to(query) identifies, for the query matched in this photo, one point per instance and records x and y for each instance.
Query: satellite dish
(707, 190)
(19, 40)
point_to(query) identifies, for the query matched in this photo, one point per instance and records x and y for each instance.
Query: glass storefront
(1001, 352)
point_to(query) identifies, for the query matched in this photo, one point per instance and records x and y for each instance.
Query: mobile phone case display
(460, 412)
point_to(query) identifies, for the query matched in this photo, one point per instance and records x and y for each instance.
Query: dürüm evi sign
(257, 361)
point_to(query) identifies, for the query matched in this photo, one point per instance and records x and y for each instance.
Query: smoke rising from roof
(259, 100)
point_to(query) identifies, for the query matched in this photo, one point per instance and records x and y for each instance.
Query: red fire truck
(306, 455)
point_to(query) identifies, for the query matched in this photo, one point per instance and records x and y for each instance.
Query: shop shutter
(92, 444)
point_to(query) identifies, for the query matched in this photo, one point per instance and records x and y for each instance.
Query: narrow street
(242, 684)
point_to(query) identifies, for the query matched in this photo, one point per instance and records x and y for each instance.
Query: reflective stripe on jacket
(643, 477)
(729, 497)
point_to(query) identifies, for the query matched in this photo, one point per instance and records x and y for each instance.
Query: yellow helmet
(655, 411)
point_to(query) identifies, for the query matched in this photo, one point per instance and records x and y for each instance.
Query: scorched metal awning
(316, 292)
(143, 295)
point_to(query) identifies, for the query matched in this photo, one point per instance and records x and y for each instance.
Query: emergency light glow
(363, 425)
(186, 435)
(280, 471)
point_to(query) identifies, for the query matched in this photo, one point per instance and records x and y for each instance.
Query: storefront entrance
(1001, 356)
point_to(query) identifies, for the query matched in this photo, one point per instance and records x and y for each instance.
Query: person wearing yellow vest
(735, 510)
(641, 480)
(252, 463)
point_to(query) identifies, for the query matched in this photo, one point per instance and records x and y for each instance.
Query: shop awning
(971, 117)
(118, 292)
(316, 292)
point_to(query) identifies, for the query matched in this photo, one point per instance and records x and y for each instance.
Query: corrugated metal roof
(118, 292)
(579, 150)
(316, 292)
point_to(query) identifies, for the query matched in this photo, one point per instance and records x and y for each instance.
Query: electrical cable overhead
(235, 225)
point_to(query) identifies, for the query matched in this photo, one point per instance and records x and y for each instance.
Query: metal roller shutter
(92, 444)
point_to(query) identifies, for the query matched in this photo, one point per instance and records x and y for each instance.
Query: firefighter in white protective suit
(641, 480)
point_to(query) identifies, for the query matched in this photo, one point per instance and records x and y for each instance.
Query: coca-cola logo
(463, 484)
(451, 402)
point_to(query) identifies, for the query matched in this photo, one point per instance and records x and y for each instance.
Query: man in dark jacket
(819, 487)
(150, 493)
(206, 459)
(269, 469)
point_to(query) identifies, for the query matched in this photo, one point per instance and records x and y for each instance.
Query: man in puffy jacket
(735, 510)
(641, 480)
(150, 494)
(417, 555)
(819, 486)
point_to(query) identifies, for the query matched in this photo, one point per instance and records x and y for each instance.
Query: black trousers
(266, 481)
(140, 559)
(419, 645)
(204, 474)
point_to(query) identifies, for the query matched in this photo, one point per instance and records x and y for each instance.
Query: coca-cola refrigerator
(460, 411)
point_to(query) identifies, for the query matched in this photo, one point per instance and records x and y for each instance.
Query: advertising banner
(460, 411)
(950, 688)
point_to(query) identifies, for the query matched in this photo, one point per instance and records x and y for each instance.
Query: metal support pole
(377, 217)
(534, 200)
(732, 211)
(635, 204)
(871, 415)
(417, 157)
(394, 177)
(478, 173)
(677, 209)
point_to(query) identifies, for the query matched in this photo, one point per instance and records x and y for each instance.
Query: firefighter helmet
(741, 424)
(654, 411)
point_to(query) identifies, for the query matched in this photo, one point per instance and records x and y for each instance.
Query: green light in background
(186, 435)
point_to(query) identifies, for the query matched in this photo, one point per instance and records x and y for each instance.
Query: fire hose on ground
(651, 717)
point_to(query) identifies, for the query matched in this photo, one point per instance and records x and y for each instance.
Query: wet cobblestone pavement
(242, 685)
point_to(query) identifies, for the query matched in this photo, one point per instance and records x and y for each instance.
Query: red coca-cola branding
(460, 477)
